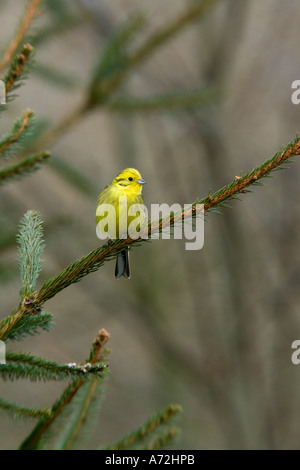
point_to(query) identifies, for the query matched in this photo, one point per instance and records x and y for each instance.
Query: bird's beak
(141, 181)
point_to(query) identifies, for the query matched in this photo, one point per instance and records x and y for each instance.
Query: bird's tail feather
(122, 265)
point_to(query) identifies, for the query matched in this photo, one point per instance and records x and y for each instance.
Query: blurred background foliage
(211, 330)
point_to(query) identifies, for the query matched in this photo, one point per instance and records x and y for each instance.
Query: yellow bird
(113, 214)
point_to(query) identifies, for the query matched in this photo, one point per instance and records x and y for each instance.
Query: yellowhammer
(115, 212)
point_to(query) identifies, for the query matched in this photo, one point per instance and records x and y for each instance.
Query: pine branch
(18, 69)
(164, 439)
(22, 168)
(85, 410)
(94, 260)
(241, 183)
(189, 100)
(30, 249)
(29, 323)
(27, 319)
(80, 268)
(10, 51)
(19, 411)
(34, 439)
(23, 365)
(150, 435)
(10, 325)
(8, 239)
(10, 142)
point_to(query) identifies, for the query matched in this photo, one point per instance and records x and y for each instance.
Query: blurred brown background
(211, 329)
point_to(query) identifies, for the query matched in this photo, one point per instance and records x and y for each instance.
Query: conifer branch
(22, 168)
(165, 439)
(83, 412)
(29, 14)
(30, 248)
(23, 365)
(80, 268)
(92, 262)
(27, 319)
(19, 411)
(18, 69)
(96, 354)
(9, 325)
(12, 139)
(30, 322)
(241, 183)
(152, 431)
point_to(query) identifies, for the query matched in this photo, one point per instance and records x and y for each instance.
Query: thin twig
(22, 126)
(146, 429)
(14, 318)
(28, 16)
(17, 67)
(25, 165)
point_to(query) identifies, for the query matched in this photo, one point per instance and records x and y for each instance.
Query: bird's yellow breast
(121, 198)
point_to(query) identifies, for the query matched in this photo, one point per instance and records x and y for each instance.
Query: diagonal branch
(92, 262)
(22, 365)
(17, 68)
(19, 128)
(20, 411)
(29, 14)
(23, 167)
(240, 184)
(147, 429)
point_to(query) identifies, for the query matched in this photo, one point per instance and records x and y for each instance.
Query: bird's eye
(130, 179)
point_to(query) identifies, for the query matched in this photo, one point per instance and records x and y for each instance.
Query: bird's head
(130, 179)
